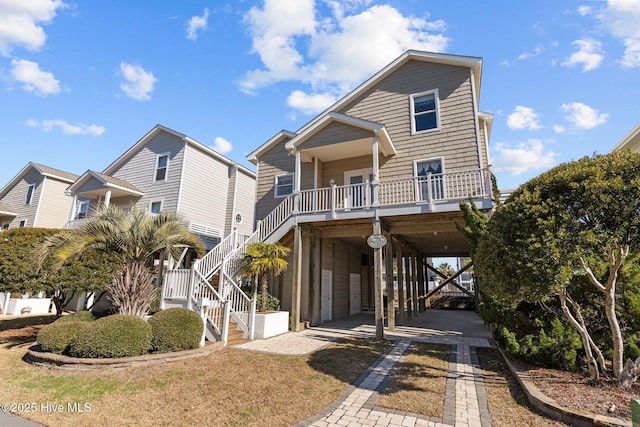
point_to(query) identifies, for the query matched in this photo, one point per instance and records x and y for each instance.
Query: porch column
(400, 273)
(391, 298)
(297, 278)
(107, 198)
(74, 202)
(376, 172)
(377, 283)
(296, 184)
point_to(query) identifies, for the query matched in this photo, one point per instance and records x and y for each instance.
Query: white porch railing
(225, 259)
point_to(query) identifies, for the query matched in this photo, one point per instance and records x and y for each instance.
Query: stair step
(236, 335)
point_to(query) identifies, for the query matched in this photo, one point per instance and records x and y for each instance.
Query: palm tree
(138, 238)
(261, 259)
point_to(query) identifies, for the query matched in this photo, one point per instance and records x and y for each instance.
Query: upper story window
(425, 114)
(283, 185)
(29, 194)
(162, 164)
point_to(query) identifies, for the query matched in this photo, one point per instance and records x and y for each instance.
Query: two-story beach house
(370, 185)
(36, 197)
(169, 171)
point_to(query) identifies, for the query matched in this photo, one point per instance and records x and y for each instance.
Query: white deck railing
(226, 258)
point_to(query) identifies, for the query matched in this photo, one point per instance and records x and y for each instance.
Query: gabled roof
(276, 139)
(45, 171)
(7, 210)
(471, 62)
(187, 140)
(106, 181)
(385, 144)
(630, 142)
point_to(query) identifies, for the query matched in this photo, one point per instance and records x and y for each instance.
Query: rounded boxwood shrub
(175, 329)
(117, 335)
(56, 337)
(79, 316)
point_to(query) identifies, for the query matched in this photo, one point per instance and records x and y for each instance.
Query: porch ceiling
(339, 151)
(432, 234)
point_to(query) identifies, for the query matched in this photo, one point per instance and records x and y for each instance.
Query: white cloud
(526, 55)
(620, 18)
(584, 10)
(310, 104)
(67, 128)
(589, 55)
(221, 145)
(523, 157)
(582, 116)
(197, 23)
(33, 79)
(20, 23)
(138, 83)
(523, 118)
(559, 129)
(332, 53)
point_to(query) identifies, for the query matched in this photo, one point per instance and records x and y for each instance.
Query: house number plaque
(376, 241)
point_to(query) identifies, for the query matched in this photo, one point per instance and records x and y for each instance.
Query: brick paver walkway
(465, 400)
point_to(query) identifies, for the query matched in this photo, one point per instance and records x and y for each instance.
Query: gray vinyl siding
(274, 162)
(231, 183)
(334, 133)
(205, 188)
(342, 259)
(389, 103)
(337, 168)
(245, 203)
(54, 205)
(18, 195)
(139, 170)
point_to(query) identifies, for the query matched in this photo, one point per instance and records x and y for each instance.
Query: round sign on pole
(376, 241)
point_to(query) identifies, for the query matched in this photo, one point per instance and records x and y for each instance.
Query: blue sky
(81, 82)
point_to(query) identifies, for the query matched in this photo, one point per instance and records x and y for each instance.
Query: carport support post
(414, 274)
(377, 283)
(421, 291)
(400, 282)
(409, 286)
(297, 278)
(391, 295)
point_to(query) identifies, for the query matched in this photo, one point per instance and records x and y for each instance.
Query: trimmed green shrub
(79, 316)
(118, 335)
(175, 329)
(56, 337)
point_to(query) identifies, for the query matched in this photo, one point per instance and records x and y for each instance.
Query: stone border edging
(37, 357)
(550, 407)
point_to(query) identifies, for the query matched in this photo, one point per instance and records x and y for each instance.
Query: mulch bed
(574, 390)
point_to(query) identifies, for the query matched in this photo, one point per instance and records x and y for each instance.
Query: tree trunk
(584, 335)
(616, 259)
(263, 293)
(616, 333)
(132, 289)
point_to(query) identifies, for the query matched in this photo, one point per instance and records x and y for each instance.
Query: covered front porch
(93, 189)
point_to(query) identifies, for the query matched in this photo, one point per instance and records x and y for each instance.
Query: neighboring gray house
(36, 197)
(169, 171)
